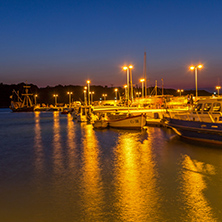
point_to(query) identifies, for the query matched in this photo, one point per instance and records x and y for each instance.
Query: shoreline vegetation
(45, 94)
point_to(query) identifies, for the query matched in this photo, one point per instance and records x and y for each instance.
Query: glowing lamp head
(116, 90)
(88, 81)
(142, 80)
(130, 67)
(200, 66)
(192, 67)
(125, 86)
(125, 68)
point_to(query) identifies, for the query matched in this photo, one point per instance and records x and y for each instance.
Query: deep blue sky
(67, 42)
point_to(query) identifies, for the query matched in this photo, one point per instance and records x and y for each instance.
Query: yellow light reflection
(92, 181)
(71, 142)
(193, 186)
(38, 143)
(57, 148)
(135, 183)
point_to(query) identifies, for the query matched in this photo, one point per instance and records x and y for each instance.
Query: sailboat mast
(144, 73)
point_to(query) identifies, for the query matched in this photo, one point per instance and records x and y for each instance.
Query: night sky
(67, 42)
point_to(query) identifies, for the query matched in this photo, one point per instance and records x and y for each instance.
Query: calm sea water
(54, 169)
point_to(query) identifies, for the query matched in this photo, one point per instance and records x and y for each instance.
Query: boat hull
(100, 124)
(23, 109)
(131, 122)
(199, 131)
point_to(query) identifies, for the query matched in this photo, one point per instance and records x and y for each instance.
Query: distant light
(200, 66)
(142, 80)
(125, 86)
(125, 68)
(192, 67)
(88, 81)
(116, 90)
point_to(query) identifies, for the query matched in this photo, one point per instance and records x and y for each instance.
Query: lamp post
(88, 82)
(142, 81)
(116, 90)
(180, 91)
(56, 96)
(195, 69)
(125, 87)
(85, 101)
(70, 95)
(92, 93)
(218, 89)
(127, 81)
(104, 96)
(35, 97)
(131, 81)
(138, 94)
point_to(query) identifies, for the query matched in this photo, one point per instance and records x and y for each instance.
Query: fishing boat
(128, 122)
(25, 104)
(203, 123)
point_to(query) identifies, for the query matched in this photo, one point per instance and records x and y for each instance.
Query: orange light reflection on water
(135, 184)
(194, 184)
(57, 147)
(71, 142)
(39, 157)
(92, 196)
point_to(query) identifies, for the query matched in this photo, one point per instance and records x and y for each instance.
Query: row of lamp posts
(129, 85)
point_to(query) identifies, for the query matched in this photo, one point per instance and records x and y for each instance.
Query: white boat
(129, 122)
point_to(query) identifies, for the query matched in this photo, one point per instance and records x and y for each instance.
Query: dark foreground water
(54, 169)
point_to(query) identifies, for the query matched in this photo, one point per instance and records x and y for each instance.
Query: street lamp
(195, 68)
(180, 91)
(138, 94)
(92, 93)
(125, 86)
(127, 81)
(218, 89)
(35, 97)
(70, 94)
(84, 91)
(116, 90)
(142, 81)
(131, 81)
(88, 82)
(104, 95)
(56, 96)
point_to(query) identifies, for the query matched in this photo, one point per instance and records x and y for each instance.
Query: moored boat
(204, 123)
(129, 122)
(24, 105)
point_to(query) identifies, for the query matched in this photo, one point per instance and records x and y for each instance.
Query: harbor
(110, 111)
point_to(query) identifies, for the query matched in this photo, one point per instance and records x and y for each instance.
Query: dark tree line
(45, 95)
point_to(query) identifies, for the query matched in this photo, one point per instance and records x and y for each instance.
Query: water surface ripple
(55, 169)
